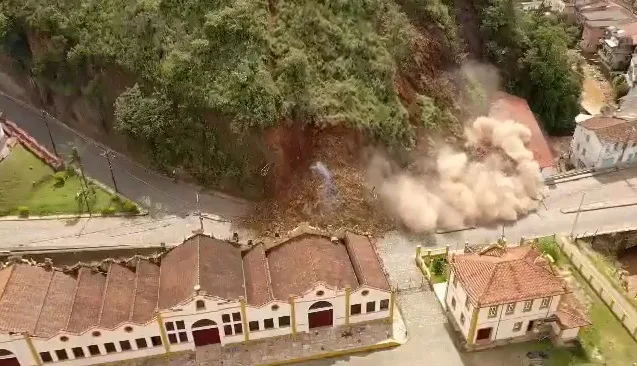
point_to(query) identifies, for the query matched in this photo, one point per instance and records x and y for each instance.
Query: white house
(204, 291)
(505, 294)
(602, 142)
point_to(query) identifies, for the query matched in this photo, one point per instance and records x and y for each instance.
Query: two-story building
(604, 141)
(617, 48)
(203, 292)
(504, 294)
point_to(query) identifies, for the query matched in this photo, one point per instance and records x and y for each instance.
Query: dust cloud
(459, 189)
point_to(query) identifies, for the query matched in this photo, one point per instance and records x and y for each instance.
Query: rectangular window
(583, 152)
(180, 324)
(355, 309)
(110, 347)
(510, 308)
(578, 146)
(46, 357)
(517, 326)
(528, 305)
(94, 350)
(227, 330)
(284, 321)
(200, 304)
(141, 343)
(225, 318)
(455, 281)
(268, 323)
(156, 341)
(462, 319)
(588, 138)
(493, 311)
(238, 328)
(453, 303)
(545, 303)
(125, 345)
(466, 303)
(183, 337)
(236, 317)
(384, 304)
(78, 352)
(62, 356)
(170, 326)
(253, 326)
(172, 338)
(370, 307)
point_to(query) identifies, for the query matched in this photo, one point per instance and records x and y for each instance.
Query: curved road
(159, 193)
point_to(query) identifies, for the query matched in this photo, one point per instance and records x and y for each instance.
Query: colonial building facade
(203, 292)
(504, 294)
(603, 142)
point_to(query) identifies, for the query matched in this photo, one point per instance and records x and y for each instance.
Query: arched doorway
(320, 314)
(7, 358)
(205, 332)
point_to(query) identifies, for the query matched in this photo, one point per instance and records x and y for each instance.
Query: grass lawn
(27, 181)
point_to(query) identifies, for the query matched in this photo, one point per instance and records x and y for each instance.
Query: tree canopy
(532, 51)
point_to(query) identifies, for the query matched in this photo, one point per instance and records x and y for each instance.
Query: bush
(549, 246)
(116, 199)
(620, 87)
(23, 211)
(130, 207)
(108, 211)
(60, 178)
(438, 266)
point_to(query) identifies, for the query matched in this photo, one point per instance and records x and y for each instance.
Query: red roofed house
(603, 142)
(509, 107)
(204, 291)
(506, 294)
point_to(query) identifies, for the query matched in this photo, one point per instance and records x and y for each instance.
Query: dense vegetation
(203, 69)
(532, 51)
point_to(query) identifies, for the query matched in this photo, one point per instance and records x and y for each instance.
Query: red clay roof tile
(57, 305)
(257, 274)
(179, 272)
(366, 262)
(147, 283)
(220, 268)
(23, 298)
(88, 300)
(118, 296)
(509, 107)
(519, 274)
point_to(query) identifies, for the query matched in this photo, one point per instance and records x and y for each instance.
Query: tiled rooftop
(502, 277)
(43, 301)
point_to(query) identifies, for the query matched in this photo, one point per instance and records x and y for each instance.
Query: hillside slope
(243, 94)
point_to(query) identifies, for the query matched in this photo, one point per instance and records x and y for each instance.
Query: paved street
(610, 187)
(133, 180)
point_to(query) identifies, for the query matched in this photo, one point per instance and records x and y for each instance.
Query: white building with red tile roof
(603, 142)
(201, 292)
(504, 107)
(503, 294)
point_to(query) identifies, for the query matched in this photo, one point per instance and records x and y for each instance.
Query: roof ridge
(268, 277)
(198, 260)
(108, 277)
(132, 307)
(77, 286)
(48, 287)
(350, 254)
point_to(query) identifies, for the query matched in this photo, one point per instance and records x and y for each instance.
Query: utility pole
(46, 122)
(108, 154)
(577, 215)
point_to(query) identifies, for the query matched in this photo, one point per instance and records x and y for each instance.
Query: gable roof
(42, 300)
(509, 107)
(503, 276)
(611, 129)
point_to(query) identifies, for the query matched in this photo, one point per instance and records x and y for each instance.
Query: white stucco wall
(586, 148)
(503, 323)
(187, 312)
(569, 334)
(456, 291)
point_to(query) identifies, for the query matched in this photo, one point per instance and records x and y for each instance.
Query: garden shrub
(130, 207)
(23, 211)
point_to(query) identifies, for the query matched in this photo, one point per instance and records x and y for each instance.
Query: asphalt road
(159, 193)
